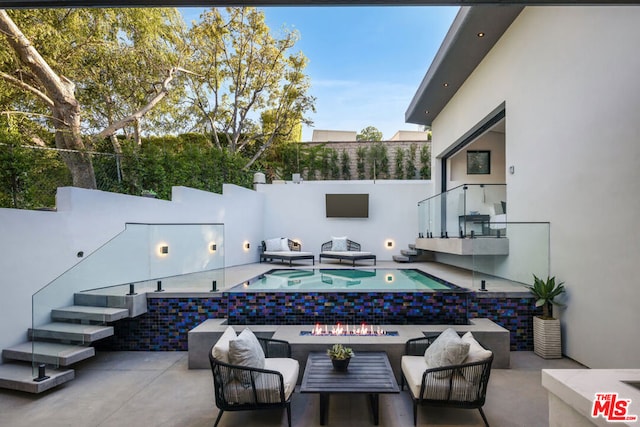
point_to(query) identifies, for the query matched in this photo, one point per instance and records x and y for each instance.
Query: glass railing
(527, 253)
(466, 210)
(142, 258)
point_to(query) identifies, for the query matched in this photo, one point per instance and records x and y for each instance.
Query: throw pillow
(339, 244)
(246, 351)
(273, 245)
(477, 353)
(447, 350)
(284, 245)
(221, 349)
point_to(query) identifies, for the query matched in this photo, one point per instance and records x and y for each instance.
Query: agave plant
(339, 352)
(545, 292)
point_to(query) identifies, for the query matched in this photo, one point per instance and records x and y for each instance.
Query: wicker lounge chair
(243, 388)
(352, 253)
(459, 386)
(293, 253)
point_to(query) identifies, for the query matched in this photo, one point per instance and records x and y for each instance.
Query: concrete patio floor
(157, 389)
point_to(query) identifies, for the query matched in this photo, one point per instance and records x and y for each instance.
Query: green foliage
(345, 165)
(378, 161)
(545, 292)
(399, 163)
(425, 162)
(370, 133)
(333, 165)
(411, 161)
(361, 156)
(325, 168)
(339, 352)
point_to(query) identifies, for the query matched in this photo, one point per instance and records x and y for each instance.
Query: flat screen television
(347, 205)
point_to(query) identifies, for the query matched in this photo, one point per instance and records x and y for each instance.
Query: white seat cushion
(414, 366)
(221, 349)
(267, 385)
(346, 253)
(287, 253)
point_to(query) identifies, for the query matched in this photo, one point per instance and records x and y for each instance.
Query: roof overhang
(460, 53)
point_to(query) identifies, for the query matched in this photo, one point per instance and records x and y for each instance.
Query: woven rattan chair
(459, 386)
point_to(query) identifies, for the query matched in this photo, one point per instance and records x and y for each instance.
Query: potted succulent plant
(340, 356)
(547, 340)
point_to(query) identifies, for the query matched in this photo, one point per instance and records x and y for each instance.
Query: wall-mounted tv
(347, 205)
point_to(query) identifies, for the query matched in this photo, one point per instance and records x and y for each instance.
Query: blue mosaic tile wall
(512, 313)
(295, 308)
(166, 325)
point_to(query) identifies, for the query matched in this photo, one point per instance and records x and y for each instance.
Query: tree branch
(22, 85)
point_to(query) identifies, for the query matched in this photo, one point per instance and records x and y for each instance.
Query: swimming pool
(348, 280)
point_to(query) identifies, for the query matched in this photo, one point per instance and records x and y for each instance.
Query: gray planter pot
(547, 340)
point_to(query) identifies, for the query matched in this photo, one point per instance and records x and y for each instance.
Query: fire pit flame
(340, 330)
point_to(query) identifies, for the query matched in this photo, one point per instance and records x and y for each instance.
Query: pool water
(345, 280)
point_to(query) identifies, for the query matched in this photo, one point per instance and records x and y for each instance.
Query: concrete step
(87, 313)
(409, 252)
(71, 332)
(412, 246)
(51, 353)
(15, 376)
(401, 258)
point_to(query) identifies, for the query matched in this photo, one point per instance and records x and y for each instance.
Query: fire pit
(340, 330)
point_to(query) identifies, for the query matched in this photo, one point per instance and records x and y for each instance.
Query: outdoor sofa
(283, 249)
(447, 370)
(341, 248)
(252, 373)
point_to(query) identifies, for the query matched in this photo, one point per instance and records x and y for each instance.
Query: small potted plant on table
(340, 356)
(547, 340)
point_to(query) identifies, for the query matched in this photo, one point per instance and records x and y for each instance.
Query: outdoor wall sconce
(213, 247)
(389, 244)
(246, 246)
(164, 249)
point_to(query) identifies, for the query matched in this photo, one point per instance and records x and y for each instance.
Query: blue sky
(365, 63)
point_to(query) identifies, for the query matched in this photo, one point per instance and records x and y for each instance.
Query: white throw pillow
(339, 244)
(284, 245)
(447, 350)
(477, 353)
(246, 351)
(221, 349)
(273, 245)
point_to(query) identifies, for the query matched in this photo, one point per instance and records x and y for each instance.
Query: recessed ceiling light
(426, 111)
(480, 34)
(445, 84)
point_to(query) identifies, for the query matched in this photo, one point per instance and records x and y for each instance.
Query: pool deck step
(51, 353)
(71, 332)
(89, 313)
(19, 376)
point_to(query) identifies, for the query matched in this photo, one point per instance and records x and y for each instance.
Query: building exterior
(553, 94)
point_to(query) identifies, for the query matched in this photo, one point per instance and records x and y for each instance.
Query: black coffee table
(369, 372)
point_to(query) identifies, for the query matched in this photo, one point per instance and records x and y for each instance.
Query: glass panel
(527, 254)
(137, 259)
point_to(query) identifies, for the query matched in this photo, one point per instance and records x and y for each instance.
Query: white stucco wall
(297, 211)
(37, 247)
(569, 78)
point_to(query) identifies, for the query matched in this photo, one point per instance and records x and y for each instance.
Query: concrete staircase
(64, 341)
(413, 255)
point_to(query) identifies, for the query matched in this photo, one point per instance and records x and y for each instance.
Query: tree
(243, 71)
(369, 133)
(399, 163)
(411, 161)
(378, 161)
(116, 65)
(345, 165)
(425, 162)
(361, 157)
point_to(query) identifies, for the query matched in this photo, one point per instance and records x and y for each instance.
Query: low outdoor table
(369, 372)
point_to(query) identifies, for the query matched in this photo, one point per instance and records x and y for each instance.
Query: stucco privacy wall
(298, 211)
(569, 79)
(37, 247)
